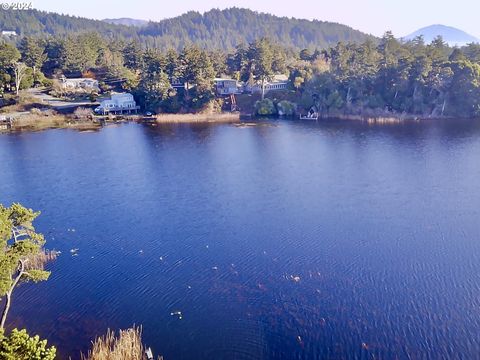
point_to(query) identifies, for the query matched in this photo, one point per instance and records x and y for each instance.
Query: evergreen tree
(9, 56)
(33, 53)
(22, 256)
(261, 58)
(18, 345)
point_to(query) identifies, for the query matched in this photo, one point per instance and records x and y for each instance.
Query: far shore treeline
(376, 77)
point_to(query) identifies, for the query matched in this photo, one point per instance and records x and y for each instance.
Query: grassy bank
(197, 118)
(37, 123)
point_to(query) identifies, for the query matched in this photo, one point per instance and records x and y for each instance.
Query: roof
(120, 95)
(280, 78)
(223, 79)
(78, 79)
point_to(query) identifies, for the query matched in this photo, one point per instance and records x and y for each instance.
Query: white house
(9, 33)
(87, 84)
(118, 103)
(279, 82)
(226, 86)
(177, 84)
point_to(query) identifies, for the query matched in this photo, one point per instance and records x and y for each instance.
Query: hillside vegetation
(215, 29)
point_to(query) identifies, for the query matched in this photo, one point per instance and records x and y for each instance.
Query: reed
(38, 122)
(39, 260)
(127, 345)
(34, 122)
(198, 118)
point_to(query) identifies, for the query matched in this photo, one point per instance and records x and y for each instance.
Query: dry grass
(198, 118)
(126, 346)
(386, 120)
(38, 261)
(383, 120)
(373, 116)
(84, 126)
(83, 113)
(24, 102)
(36, 122)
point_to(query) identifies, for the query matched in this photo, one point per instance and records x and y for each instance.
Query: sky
(371, 16)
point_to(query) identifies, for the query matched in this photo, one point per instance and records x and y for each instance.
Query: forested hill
(215, 29)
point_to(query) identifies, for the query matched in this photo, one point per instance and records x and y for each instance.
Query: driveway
(56, 103)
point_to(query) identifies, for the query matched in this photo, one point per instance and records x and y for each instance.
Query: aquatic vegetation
(127, 345)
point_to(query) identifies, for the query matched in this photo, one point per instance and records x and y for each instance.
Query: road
(56, 103)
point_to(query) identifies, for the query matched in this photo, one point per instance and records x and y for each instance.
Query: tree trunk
(5, 310)
(187, 91)
(263, 88)
(34, 75)
(9, 295)
(18, 77)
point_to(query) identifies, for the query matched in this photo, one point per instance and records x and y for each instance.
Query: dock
(6, 122)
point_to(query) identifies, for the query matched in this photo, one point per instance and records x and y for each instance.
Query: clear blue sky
(372, 16)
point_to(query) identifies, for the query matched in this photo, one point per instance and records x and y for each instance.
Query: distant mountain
(451, 35)
(215, 29)
(127, 22)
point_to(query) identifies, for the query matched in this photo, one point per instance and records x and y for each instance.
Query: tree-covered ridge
(225, 29)
(42, 24)
(215, 29)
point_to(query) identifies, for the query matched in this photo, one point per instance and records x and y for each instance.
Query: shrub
(36, 111)
(82, 113)
(20, 346)
(265, 107)
(286, 108)
(214, 106)
(93, 96)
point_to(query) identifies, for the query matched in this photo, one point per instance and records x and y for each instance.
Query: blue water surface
(286, 240)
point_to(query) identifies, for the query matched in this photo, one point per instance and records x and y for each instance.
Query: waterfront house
(87, 84)
(177, 84)
(119, 103)
(226, 86)
(8, 33)
(278, 82)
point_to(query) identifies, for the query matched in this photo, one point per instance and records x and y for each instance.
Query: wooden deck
(120, 110)
(6, 122)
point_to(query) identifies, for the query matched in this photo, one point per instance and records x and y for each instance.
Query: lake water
(289, 240)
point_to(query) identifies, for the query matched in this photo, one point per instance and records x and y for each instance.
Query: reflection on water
(295, 241)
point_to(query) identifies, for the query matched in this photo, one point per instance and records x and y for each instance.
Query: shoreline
(374, 119)
(392, 118)
(197, 118)
(33, 123)
(371, 119)
(39, 123)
